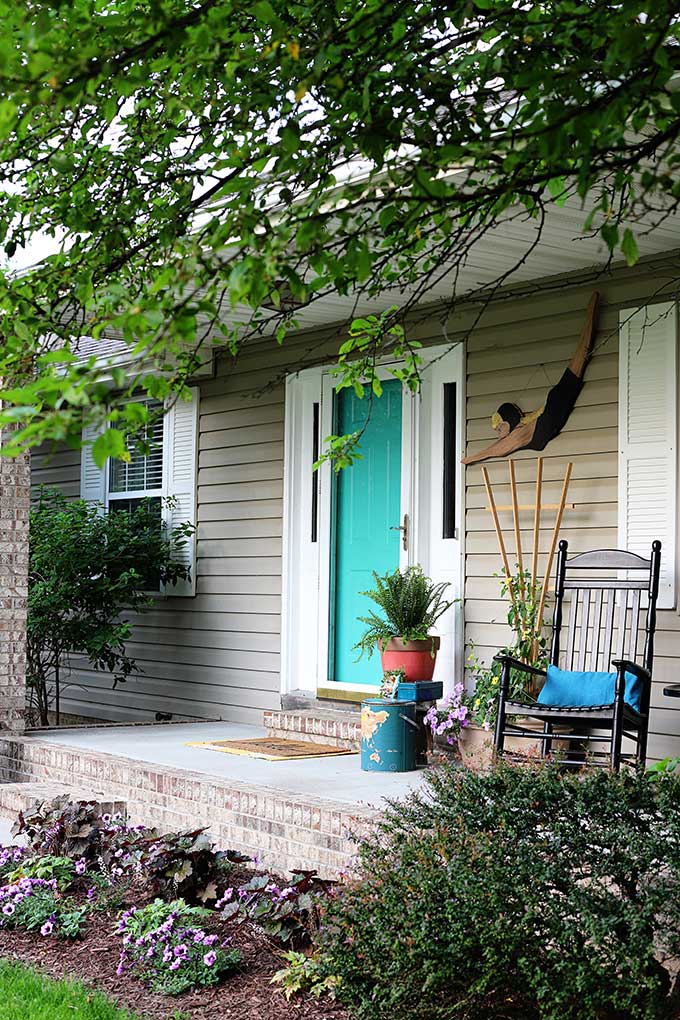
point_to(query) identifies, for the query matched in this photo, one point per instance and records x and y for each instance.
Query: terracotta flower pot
(415, 658)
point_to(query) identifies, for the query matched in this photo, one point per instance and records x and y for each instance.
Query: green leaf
(110, 443)
(629, 247)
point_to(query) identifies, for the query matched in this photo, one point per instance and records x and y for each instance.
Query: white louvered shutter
(182, 456)
(647, 436)
(92, 478)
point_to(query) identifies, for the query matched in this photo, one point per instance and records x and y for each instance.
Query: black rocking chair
(603, 610)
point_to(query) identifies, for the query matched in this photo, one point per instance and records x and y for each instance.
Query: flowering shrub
(35, 903)
(64, 828)
(289, 913)
(451, 717)
(10, 859)
(176, 864)
(166, 946)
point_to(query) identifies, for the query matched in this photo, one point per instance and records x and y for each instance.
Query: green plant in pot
(410, 604)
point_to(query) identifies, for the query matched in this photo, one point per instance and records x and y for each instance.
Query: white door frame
(306, 564)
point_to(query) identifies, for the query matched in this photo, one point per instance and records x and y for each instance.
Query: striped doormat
(271, 748)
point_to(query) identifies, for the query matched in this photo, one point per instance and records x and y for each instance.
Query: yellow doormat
(271, 749)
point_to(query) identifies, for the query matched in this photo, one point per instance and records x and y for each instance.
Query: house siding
(517, 352)
(217, 655)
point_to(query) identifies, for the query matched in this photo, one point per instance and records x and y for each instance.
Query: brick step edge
(16, 797)
(342, 731)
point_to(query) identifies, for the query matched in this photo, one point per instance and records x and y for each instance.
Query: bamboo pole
(551, 554)
(499, 534)
(537, 523)
(518, 537)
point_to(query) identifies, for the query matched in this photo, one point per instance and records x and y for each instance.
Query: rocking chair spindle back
(609, 596)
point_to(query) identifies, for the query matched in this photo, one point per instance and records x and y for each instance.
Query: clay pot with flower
(411, 604)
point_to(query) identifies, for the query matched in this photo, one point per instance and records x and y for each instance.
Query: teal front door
(365, 535)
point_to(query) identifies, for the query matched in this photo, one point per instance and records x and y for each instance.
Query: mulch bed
(247, 995)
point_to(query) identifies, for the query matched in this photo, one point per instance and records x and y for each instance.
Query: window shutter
(92, 478)
(182, 456)
(647, 436)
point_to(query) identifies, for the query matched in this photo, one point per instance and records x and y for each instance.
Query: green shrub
(520, 893)
(303, 973)
(88, 568)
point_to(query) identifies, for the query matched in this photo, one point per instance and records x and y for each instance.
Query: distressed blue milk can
(388, 735)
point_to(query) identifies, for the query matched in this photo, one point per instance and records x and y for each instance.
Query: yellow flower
(477, 703)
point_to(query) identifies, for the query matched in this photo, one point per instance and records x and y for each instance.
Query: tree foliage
(208, 166)
(87, 568)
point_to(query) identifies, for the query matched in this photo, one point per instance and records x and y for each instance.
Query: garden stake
(551, 554)
(499, 535)
(518, 537)
(537, 523)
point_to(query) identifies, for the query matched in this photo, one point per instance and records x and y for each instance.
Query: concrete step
(317, 726)
(16, 797)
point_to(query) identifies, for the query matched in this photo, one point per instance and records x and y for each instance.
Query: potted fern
(411, 605)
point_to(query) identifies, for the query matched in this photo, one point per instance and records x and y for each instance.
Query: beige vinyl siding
(519, 350)
(57, 468)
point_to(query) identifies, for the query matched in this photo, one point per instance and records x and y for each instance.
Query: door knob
(404, 528)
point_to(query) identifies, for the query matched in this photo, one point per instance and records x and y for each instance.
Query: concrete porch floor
(291, 814)
(338, 778)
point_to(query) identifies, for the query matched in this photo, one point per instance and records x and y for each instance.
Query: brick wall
(14, 508)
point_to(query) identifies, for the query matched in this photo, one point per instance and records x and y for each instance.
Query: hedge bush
(519, 893)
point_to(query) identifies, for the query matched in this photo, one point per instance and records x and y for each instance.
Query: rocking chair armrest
(523, 667)
(639, 672)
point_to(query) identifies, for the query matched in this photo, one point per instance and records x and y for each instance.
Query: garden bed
(165, 925)
(246, 995)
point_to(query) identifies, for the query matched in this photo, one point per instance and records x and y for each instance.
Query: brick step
(16, 797)
(317, 726)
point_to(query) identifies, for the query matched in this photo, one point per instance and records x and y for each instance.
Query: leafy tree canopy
(199, 159)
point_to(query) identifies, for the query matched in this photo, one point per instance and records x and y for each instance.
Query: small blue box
(420, 690)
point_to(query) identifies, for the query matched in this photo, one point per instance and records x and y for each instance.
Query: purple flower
(8, 909)
(91, 892)
(176, 964)
(198, 938)
(181, 951)
(210, 940)
(167, 956)
(210, 958)
(81, 866)
(47, 928)
(224, 898)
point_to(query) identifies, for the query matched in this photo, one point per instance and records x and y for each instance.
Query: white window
(648, 425)
(164, 472)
